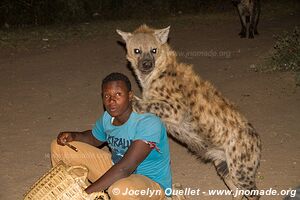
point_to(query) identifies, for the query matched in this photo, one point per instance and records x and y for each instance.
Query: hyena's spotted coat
(195, 113)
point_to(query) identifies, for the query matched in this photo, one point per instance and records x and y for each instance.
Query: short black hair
(116, 76)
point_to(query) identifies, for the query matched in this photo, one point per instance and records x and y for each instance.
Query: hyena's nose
(147, 64)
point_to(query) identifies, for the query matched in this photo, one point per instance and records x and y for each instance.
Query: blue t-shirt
(147, 127)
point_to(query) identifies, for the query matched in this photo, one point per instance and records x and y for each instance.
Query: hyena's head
(145, 48)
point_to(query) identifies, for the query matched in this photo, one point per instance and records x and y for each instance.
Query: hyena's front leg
(257, 17)
(254, 17)
(165, 110)
(252, 24)
(242, 16)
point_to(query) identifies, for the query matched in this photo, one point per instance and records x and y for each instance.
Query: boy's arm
(135, 154)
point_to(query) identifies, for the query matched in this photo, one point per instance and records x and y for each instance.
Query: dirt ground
(58, 90)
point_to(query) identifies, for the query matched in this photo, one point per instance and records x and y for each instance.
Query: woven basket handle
(95, 195)
(79, 167)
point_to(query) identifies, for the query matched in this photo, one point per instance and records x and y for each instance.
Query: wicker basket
(62, 183)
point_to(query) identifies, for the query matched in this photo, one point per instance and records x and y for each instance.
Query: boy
(140, 157)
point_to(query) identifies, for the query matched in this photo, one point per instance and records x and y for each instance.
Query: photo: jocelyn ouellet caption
(198, 192)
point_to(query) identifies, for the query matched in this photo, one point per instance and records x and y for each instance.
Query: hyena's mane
(144, 29)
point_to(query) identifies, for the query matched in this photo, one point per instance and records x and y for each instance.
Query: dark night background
(45, 12)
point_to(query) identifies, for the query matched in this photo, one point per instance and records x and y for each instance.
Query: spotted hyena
(195, 113)
(249, 11)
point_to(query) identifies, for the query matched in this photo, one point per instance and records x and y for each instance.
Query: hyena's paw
(251, 36)
(242, 34)
(136, 98)
(251, 32)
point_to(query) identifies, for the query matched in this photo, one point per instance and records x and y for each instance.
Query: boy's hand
(65, 137)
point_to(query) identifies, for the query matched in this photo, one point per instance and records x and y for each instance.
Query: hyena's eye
(154, 51)
(137, 51)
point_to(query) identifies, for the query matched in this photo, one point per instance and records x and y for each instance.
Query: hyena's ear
(162, 34)
(124, 35)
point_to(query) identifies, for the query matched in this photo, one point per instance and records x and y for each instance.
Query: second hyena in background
(195, 113)
(249, 11)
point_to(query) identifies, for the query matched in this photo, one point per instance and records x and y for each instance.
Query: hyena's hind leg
(235, 182)
(218, 158)
(241, 174)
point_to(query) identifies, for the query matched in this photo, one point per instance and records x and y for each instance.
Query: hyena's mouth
(146, 64)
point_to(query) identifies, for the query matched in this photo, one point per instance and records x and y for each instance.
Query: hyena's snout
(146, 63)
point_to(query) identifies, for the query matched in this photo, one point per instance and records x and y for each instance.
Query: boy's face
(116, 98)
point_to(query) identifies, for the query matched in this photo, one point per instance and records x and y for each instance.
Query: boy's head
(115, 76)
(117, 94)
